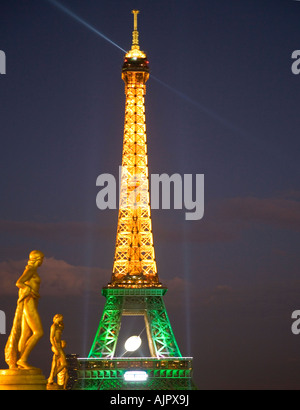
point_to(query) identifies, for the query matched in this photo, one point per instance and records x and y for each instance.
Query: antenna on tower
(135, 33)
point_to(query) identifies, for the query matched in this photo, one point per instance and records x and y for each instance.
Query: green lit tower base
(166, 369)
(135, 289)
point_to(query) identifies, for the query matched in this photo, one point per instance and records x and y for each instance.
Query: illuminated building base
(147, 302)
(141, 373)
(166, 369)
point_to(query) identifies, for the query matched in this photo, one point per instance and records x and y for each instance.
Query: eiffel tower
(135, 289)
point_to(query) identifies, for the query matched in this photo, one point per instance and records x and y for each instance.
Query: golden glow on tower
(135, 33)
(135, 48)
(134, 262)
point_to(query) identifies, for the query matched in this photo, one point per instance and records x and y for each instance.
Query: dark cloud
(59, 278)
(280, 213)
(224, 221)
(51, 230)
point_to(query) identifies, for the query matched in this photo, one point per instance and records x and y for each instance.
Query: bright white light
(135, 376)
(133, 343)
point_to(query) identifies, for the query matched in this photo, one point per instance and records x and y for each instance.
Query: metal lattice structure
(135, 289)
(134, 263)
(138, 302)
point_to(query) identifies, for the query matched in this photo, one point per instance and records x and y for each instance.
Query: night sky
(223, 102)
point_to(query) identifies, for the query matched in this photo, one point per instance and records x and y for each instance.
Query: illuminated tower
(134, 263)
(135, 289)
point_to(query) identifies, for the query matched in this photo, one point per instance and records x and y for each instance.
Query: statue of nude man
(27, 327)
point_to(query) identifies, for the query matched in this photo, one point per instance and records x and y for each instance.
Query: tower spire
(135, 33)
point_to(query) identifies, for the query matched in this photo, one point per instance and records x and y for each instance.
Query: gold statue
(63, 375)
(59, 362)
(27, 327)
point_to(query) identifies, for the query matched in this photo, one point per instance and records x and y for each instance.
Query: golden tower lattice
(134, 262)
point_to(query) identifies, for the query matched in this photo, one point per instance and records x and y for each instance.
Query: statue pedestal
(19, 379)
